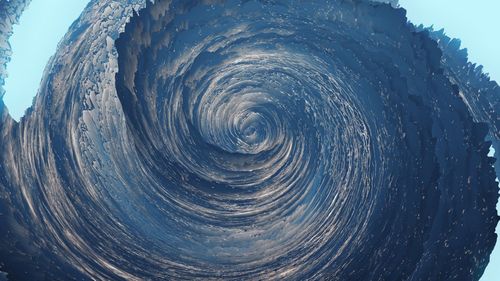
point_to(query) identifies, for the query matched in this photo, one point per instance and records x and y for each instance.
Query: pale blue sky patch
(476, 23)
(34, 41)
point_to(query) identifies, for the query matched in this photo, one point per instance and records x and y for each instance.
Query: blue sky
(476, 23)
(34, 41)
(45, 22)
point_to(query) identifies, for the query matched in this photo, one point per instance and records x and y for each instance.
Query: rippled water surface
(251, 140)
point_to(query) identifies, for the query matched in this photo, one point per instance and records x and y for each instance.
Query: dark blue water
(251, 140)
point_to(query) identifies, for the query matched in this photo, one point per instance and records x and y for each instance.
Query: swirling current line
(251, 140)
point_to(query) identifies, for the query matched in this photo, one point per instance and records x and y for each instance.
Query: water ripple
(250, 140)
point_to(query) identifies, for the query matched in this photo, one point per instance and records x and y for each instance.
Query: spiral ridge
(250, 140)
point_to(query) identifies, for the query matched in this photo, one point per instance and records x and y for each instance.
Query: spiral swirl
(248, 140)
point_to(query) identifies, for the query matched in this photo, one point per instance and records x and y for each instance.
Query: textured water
(251, 140)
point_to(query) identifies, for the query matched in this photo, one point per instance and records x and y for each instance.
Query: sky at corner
(34, 41)
(476, 23)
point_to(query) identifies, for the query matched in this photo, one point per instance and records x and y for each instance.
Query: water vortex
(249, 140)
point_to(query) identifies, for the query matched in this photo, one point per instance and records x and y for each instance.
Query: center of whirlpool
(243, 126)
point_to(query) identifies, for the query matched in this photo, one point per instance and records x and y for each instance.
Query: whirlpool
(250, 140)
